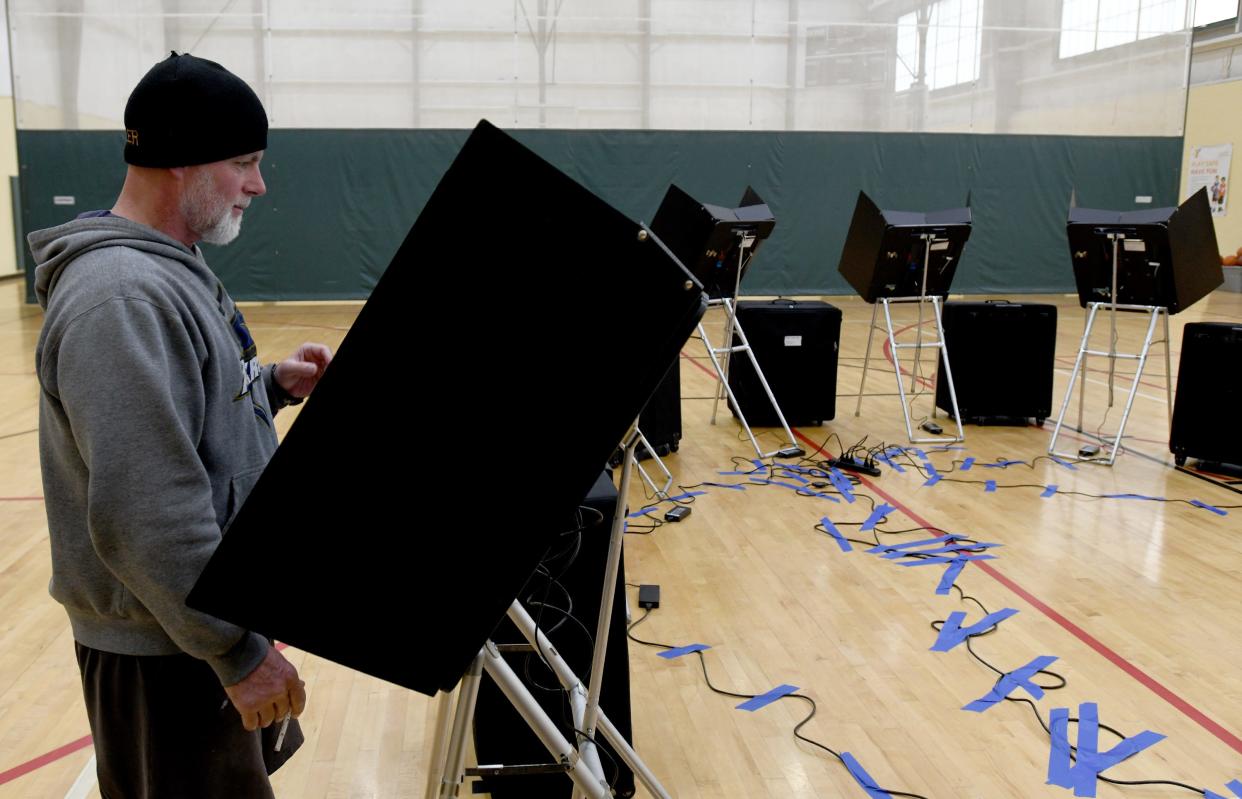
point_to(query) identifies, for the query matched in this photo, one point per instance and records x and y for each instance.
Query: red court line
(43, 760)
(1196, 715)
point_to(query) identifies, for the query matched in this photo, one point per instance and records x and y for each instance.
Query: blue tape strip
(1001, 464)
(914, 544)
(842, 484)
(1049, 491)
(828, 497)
(1059, 757)
(935, 478)
(1066, 464)
(681, 651)
(734, 486)
(1235, 786)
(863, 778)
(686, 495)
(953, 633)
(1132, 496)
(763, 700)
(1214, 795)
(953, 547)
(1090, 762)
(989, 487)
(1206, 506)
(799, 478)
(950, 576)
(938, 559)
(879, 513)
(835, 533)
(1008, 683)
(966, 464)
(891, 464)
(737, 474)
(642, 512)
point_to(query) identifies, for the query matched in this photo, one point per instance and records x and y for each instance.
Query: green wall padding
(340, 202)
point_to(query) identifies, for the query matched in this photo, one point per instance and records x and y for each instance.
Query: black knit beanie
(189, 111)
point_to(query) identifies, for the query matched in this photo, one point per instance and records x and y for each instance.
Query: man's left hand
(300, 372)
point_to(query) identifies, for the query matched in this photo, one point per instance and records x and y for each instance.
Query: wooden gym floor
(1138, 600)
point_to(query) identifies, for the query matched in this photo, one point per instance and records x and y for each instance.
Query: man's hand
(300, 372)
(269, 692)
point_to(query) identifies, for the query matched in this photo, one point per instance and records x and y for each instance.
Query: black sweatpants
(163, 728)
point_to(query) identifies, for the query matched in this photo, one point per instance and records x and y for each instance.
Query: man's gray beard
(201, 207)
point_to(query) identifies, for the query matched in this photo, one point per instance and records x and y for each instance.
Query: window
(1088, 25)
(954, 37)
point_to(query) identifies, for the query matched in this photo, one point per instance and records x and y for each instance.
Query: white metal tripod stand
(579, 760)
(721, 356)
(929, 239)
(1155, 312)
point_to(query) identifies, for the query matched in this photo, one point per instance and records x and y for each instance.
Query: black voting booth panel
(500, 735)
(705, 237)
(1002, 355)
(1209, 394)
(883, 254)
(1168, 257)
(389, 565)
(797, 343)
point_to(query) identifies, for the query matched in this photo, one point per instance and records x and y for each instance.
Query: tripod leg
(455, 759)
(1168, 370)
(1138, 375)
(866, 359)
(440, 743)
(1080, 364)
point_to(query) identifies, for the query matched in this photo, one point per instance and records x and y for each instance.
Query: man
(155, 422)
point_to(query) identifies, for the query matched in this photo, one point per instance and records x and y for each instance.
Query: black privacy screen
(516, 335)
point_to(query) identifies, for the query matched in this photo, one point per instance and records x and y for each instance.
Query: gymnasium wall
(340, 202)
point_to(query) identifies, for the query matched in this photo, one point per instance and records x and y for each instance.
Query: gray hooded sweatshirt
(155, 421)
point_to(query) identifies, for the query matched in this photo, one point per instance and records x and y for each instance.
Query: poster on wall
(1209, 168)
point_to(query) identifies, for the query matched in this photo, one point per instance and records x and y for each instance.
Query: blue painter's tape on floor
(989, 486)
(1018, 678)
(891, 464)
(835, 533)
(950, 576)
(876, 515)
(681, 651)
(939, 559)
(1049, 491)
(686, 495)
(966, 464)
(1234, 786)
(1206, 506)
(948, 539)
(1066, 464)
(763, 700)
(863, 778)
(931, 481)
(953, 633)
